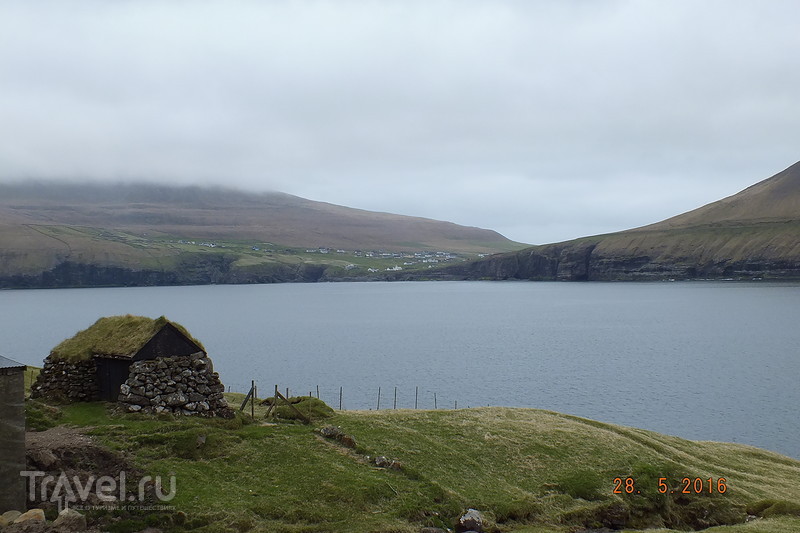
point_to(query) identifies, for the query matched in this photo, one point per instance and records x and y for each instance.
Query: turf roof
(122, 335)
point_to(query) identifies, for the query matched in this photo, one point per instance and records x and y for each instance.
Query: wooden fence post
(246, 399)
(295, 409)
(274, 402)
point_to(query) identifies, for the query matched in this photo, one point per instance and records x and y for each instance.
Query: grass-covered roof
(114, 335)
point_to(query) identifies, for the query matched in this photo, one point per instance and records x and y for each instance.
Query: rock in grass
(336, 433)
(383, 462)
(331, 432)
(70, 520)
(348, 441)
(8, 517)
(42, 459)
(472, 520)
(34, 515)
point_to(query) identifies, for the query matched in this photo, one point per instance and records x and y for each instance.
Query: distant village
(206, 244)
(409, 258)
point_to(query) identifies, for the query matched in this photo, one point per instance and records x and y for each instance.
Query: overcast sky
(542, 120)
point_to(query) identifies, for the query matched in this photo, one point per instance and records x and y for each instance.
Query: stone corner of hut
(184, 385)
(65, 380)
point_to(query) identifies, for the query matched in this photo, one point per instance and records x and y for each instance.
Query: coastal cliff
(752, 234)
(193, 270)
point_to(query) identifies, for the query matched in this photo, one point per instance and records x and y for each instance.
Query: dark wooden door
(111, 374)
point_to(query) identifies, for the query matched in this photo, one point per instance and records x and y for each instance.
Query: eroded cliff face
(565, 262)
(192, 271)
(647, 256)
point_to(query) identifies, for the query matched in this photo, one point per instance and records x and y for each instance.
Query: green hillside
(774, 200)
(56, 235)
(527, 470)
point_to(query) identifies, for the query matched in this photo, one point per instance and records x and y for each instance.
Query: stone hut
(148, 365)
(12, 435)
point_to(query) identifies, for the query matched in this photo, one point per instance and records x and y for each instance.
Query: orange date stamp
(687, 485)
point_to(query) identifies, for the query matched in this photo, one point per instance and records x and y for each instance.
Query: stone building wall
(66, 380)
(184, 385)
(12, 439)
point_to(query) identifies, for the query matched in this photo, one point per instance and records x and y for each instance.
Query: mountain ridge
(66, 234)
(137, 207)
(754, 233)
(774, 199)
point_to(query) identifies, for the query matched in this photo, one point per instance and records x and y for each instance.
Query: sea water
(700, 360)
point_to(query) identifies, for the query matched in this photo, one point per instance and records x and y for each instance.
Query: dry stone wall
(66, 380)
(184, 385)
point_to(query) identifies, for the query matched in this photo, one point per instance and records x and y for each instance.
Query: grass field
(527, 470)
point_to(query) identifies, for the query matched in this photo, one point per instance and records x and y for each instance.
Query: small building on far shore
(12, 435)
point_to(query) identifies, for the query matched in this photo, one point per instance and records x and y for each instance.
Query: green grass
(115, 335)
(31, 373)
(40, 416)
(302, 406)
(311, 407)
(528, 470)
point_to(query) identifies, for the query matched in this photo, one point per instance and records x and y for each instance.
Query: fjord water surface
(701, 360)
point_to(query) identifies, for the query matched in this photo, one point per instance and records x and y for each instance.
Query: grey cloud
(542, 120)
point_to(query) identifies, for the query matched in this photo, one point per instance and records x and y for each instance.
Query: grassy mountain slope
(198, 213)
(65, 234)
(527, 470)
(752, 234)
(774, 200)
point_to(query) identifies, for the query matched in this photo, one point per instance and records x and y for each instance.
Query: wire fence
(378, 398)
